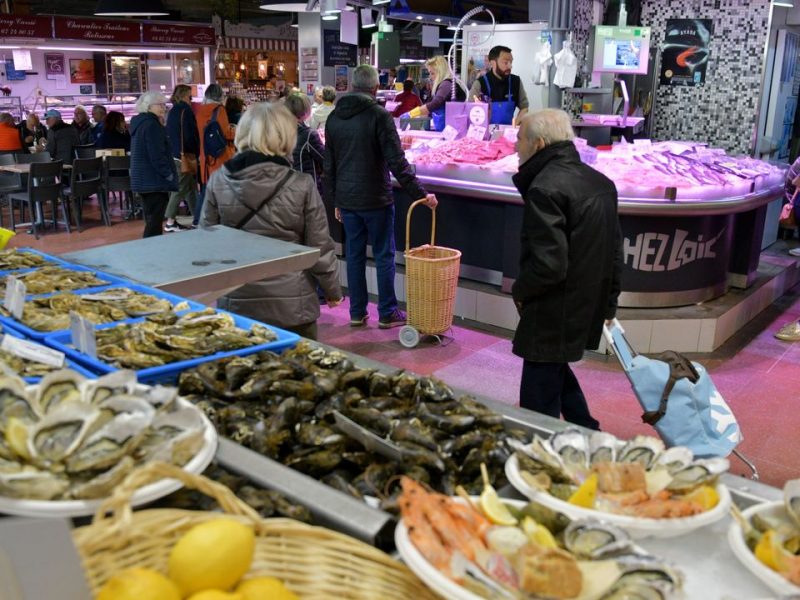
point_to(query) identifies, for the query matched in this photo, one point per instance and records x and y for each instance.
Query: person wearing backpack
(216, 139)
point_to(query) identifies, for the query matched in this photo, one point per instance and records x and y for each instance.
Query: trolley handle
(408, 223)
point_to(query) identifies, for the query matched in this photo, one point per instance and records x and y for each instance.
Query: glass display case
(13, 105)
(66, 104)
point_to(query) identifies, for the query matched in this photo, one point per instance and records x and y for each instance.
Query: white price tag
(15, 296)
(83, 336)
(510, 134)
(476, 132)
(450, 133)
(32, 351)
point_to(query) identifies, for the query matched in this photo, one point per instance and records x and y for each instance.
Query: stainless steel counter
(205, 263)
(483, 184)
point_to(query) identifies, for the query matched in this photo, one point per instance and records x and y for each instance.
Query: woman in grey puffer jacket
(258, 191)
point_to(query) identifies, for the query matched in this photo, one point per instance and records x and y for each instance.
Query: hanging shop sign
(685, 52)
(15, 26)
(97, 30)
(165, 33)
(337, 53)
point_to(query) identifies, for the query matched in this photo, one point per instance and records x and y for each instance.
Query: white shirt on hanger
(566, 67)
(541, 65)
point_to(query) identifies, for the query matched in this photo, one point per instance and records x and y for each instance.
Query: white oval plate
(148, 493)
(636, 527)
(775, 581)
(428, 574)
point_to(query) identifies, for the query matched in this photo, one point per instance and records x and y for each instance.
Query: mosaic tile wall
(724, 111)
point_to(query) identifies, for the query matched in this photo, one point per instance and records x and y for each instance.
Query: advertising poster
(54, 65)
(81, 70)
(341, 78)
(685, 52)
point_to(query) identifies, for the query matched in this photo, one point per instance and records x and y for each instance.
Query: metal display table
(205, 263)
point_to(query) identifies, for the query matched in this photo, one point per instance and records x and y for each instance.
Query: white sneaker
(795, 251)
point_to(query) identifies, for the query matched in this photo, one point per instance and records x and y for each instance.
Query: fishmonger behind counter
(502, 90)
(442, 78)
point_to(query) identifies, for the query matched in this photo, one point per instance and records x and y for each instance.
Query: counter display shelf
(13, 105)
(692, 219)
(124, 103)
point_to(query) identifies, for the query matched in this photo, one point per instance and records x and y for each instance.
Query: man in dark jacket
(361, 147)
(61, 138)
(570, 264)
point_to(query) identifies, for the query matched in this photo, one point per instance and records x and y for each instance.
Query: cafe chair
(44, 185)
(85, 151)
(9, 183)
(27, 159)
(86, 180)
(117, 181)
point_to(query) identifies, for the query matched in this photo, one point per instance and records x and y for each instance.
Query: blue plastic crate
(67, 363)
(41, 335)
(169, 373)
(111, 279)
(49, 257)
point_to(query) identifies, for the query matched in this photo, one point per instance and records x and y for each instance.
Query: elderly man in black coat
(570, 263)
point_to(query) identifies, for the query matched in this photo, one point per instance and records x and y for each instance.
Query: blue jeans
(377, 228)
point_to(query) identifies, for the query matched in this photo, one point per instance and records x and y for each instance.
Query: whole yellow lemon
(139, 584)
(216, 595)
(265, 588)
(212, 555)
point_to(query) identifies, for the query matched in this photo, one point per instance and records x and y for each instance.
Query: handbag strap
(183, 113)
(679, 367)
(253, 212)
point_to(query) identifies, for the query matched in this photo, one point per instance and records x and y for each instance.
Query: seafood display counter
(692, 218)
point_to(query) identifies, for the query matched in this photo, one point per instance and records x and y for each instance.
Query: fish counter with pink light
(693, 218)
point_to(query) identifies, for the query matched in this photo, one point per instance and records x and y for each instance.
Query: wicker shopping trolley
(431, 283)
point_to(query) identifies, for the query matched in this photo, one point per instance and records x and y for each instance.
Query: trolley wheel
(409, 336)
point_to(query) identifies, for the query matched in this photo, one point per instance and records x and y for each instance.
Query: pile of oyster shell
(52, 313)
(55, 278)
(75, 438)
(560, 464)
(14, 258)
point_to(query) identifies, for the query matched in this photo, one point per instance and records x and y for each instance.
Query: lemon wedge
(538, 534)
(765, 550)
(586, 494)
(491, 505)
(706, 496)
(17, 437)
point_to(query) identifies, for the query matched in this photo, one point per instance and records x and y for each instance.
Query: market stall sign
(164, 33)
(16, 26)
(337, 53)
(97, 30)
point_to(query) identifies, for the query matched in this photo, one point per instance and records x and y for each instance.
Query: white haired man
(570, 263)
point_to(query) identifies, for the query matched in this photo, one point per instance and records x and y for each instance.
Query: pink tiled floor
(761, 382)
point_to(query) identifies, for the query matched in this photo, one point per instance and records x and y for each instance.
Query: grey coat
(294, 214)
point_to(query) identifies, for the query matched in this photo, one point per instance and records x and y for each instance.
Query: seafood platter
(66, 443)
(471, 548)
(639, 484)
(25, 365)
(766, 539)
(290, 408)
(159, 346)
(49, 314)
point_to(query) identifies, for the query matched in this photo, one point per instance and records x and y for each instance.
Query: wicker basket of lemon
(167, 554)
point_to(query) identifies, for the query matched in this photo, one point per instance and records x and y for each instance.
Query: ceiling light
(285, 6)
(330, 17)
(126, 8)
(379, 2)
(474, 24)
(221, 66)
(784, 3)
(243, 67)
(452, 27)
(294, 22)
(419, 17)
(438, 19)
(350, 8)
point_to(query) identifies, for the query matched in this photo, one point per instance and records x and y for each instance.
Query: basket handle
(408, 223)
(116, 513)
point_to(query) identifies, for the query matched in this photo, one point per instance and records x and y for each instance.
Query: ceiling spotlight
(330, 17)
(474, 24)
(379, 2)
(243, 67)
(419, 17)
(221, 66)
(438, 19)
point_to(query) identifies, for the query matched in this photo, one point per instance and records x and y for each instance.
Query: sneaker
(795, 251)
(396, 319)
(789, 332)
(174, 226)
(359, 322)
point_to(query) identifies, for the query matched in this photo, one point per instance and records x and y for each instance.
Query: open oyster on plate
(629, 482)
(72, 438)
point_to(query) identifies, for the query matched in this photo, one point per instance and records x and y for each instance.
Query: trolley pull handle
(408, 223)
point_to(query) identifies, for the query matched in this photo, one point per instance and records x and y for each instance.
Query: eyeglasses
(164, 104)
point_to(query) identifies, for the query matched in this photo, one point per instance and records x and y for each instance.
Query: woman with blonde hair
(258, 191)
(442, 88)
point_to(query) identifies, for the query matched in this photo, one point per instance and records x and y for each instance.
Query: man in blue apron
(502, 90)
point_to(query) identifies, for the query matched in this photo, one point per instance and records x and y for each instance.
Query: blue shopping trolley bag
(679, 399)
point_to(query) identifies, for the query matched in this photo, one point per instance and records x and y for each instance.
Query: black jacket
(152, 166)
(571, 256)
(115, 139)
(309, 152)
(191, 137)
(61, 142)
(361, 147)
